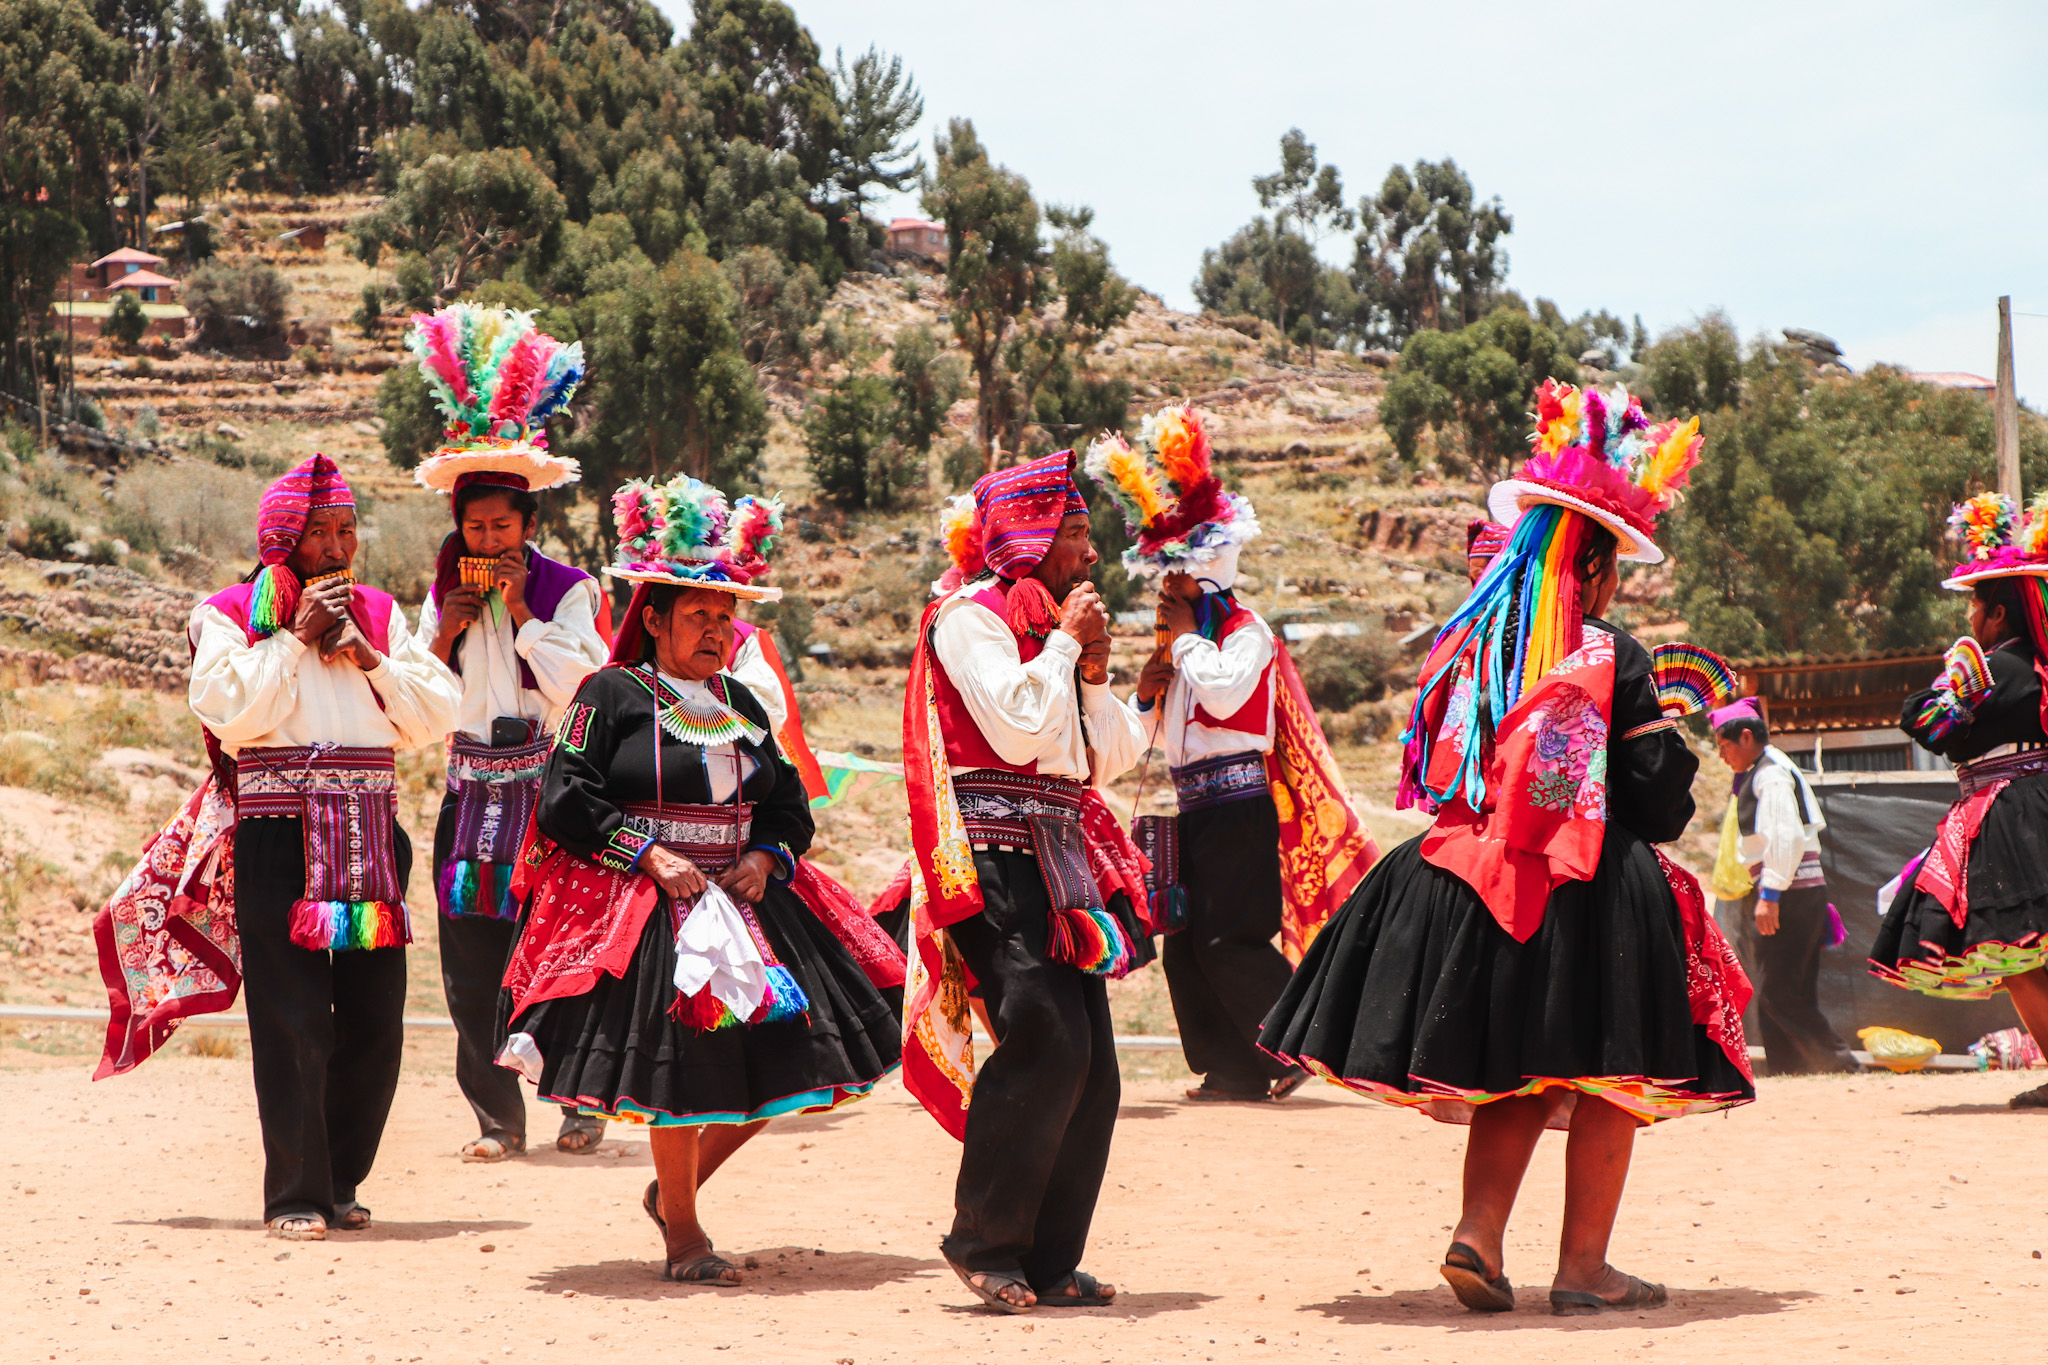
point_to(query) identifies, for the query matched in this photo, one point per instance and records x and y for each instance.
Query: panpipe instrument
(344, 576)
(478, 571)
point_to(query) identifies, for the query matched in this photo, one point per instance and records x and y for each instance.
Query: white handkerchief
(715, 949)
(519, 1054)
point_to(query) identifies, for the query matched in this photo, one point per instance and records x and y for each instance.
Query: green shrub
(48, 535)
(211, 511)
(236, 304)
(148, 425)
(1339, 672)
(412, 420)
(854, 455)
(127, 322)
(962, 463)
(367, 316)
(76, 407)
(220, 450)
(21, 443)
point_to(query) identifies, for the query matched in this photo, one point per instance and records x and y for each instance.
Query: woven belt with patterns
(1213, 781)
(2003, 764)
(712, 837)
(997, 807)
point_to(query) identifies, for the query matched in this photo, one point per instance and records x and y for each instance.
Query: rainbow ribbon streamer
(1690, 680)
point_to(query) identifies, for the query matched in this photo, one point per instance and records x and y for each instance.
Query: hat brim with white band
(1969, 578)
(748, 592)
(1509, 498)
(541, 470)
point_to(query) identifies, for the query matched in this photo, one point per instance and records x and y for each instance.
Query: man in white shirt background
(1774, 897)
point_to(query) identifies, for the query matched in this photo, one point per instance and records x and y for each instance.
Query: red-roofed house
(94, 287)
(1955, 379)
(154, 288)
(919, 235)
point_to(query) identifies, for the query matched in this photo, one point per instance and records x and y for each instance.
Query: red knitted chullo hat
(280, 524)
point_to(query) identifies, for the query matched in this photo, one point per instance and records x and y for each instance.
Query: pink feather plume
(519, 378)
(444, 351)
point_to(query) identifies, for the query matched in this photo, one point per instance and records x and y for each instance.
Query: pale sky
(1873, 170)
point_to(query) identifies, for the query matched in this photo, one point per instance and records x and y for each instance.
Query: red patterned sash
(1716, 987)
(1325, 849)
(1944, 874)
(1546, 793)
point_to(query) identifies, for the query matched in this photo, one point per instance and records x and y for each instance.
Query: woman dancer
(521, 632)
(664, 781)
(1525, 963)
(1971, 913)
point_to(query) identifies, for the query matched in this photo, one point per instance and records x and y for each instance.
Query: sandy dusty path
(1866, 1218)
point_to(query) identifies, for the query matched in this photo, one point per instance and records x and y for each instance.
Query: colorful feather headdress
(1174, 506)
(497, 379)
(1999, 540)
(684, 532)
(1596, 453)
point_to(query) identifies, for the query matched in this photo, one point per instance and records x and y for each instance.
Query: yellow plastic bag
(1897, 1050)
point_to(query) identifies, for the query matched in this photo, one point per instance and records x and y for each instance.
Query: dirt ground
(1848, 1219)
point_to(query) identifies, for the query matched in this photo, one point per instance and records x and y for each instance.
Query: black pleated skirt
(2005, 931)
(1414, 995)
(616, 1050)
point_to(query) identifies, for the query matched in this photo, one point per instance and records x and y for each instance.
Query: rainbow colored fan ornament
(497, 378)
(1174, 506)
(1690, 680)
(1965, 681)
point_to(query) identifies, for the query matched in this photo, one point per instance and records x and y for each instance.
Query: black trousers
(1797, 1038)
(1223, 971)
(326, 1031)
(1045, 1103)
(474, 951)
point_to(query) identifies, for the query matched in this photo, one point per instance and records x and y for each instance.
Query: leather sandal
(491, 1147)
(1465, 1271)
(1087, 1293)
(993, 1282)
(1570, 1303)
(298, 1227)
(710, 1268)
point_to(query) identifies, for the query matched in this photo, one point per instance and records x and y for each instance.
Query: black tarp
(1875, 823)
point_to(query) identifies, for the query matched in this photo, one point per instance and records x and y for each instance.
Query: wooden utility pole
(2005, 407)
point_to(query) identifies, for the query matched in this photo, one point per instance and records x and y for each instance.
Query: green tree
(1269, 267)
(1307, 203)
(757, 72)
(412, 420)
(232, 304)
(925, 383)
(1817, 521)
(127, 322)
(1426, 254)
(1480, 380)
(1696, 369)
(469, 216)
(672, 392)
(1050, 344)
(879, 106)
(993, 272)
(64, 115)
(1589, 331)
(854, 455)
(776, 303)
